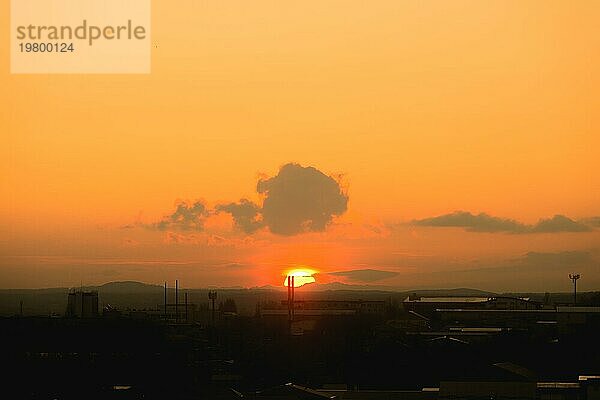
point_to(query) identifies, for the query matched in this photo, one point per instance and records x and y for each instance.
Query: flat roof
(452, 333)
(590, 377)
(578, 309)
(589, 310)
(462, 299)
(448, 300)
(309, 312)
(557, 385)
(337, 301)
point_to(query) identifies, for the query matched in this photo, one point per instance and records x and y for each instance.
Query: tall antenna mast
(574, 278)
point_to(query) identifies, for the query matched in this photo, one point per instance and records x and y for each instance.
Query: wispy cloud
(186, 217)
(365, 275)
(563, 259)
(486, 223)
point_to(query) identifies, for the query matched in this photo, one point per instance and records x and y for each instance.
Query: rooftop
(448, 299)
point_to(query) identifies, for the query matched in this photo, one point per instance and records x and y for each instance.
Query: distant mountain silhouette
(455, 292)
(317, 287)
(131, 294)
(268, 287)
(346, 286)
(340, 286)
(133, 287)
(126, 286)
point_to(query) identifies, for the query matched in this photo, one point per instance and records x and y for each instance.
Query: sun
(301, 277)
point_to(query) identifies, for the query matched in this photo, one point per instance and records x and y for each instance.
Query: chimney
(176, 300)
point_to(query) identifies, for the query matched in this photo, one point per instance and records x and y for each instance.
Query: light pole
(574, 278)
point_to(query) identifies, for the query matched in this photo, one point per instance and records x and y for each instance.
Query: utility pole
(165, 310)
(212, 295)
(574, 278)
(186, 308)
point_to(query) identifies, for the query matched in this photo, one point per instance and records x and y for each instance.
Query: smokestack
(290, 285)
(289, 290)
(176, 300)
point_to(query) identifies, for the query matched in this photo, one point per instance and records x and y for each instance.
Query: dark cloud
(559, 223)
(486, 223)
(592, 221)
(187, 217)
(476, 223)
(365, 275)
(300, 199)
(246, 215)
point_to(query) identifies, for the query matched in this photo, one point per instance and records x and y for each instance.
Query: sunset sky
(412, 144)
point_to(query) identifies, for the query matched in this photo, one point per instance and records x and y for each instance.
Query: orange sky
(425, 107)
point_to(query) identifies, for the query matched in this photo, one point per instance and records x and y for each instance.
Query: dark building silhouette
(82, 304)
(344, 347)
(428, 305)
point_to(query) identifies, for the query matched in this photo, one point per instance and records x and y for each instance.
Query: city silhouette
(352, 200)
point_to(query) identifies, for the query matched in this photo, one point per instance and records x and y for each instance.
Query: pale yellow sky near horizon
(425, 107)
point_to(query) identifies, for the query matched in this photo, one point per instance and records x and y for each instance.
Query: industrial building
(503, 382)
(563, 319)
(428, 305)
(326, 308)
(306, 315)
(82, 304)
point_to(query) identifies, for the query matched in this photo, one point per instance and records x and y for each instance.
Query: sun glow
(301, 277)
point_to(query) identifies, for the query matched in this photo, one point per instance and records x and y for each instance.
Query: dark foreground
(105, 358)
